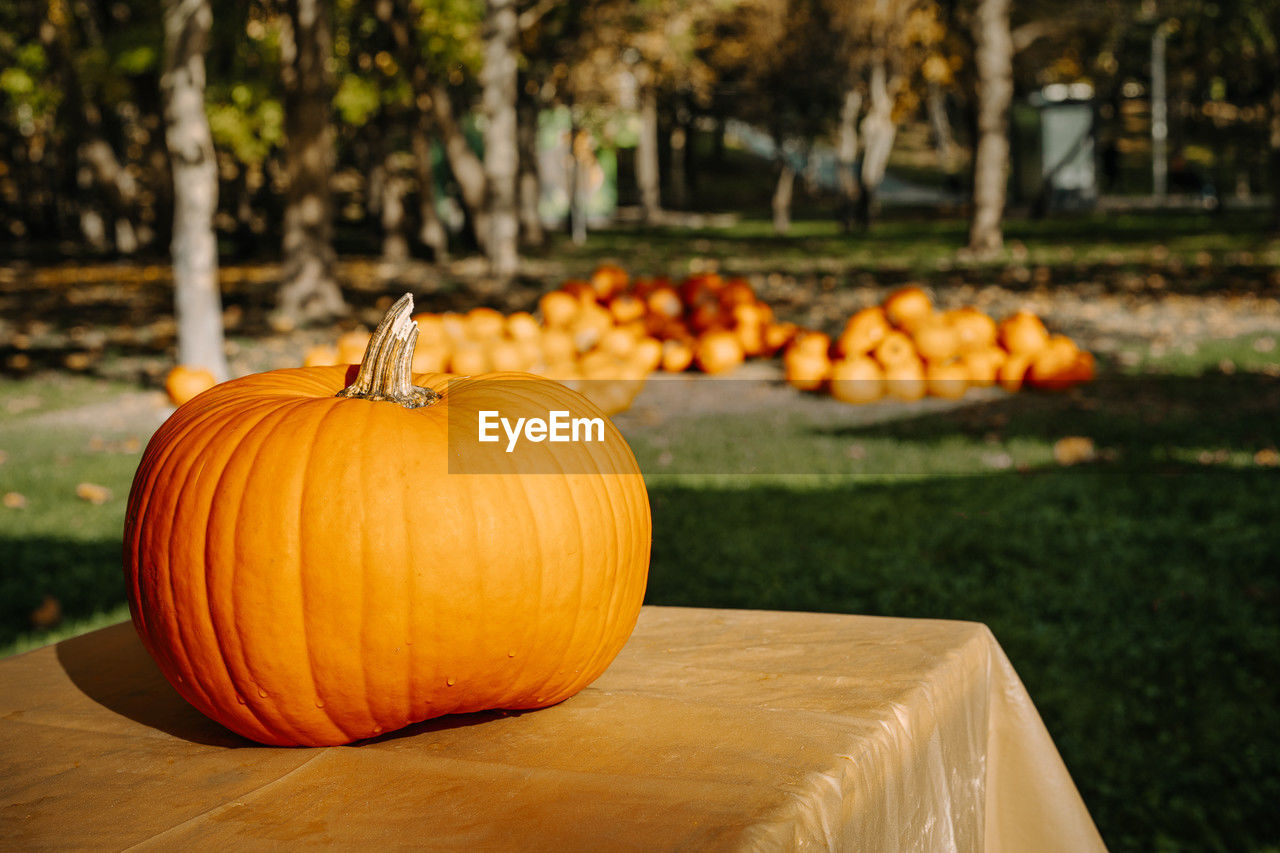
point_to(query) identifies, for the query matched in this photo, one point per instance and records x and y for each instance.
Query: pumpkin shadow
(112, 668)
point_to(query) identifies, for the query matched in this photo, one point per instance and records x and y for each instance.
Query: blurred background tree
(423, 129)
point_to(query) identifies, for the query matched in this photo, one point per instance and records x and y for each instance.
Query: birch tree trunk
(648, 176)
(197, 303)
(878, 132)
(847, 156)
(499, 80)
(993, 55)
(309, 292)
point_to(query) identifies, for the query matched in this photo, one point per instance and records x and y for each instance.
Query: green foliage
(356, 99)
(246, 119)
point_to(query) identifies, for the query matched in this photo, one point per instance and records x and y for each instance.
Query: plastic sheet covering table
(713, 730)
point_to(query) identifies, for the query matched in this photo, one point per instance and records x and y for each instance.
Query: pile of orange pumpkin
(603, 336)
(606, 334)
(906, 349)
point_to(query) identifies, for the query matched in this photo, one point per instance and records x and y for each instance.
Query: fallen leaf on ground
(14, 500)
(1074, 449)
(48, 614)
(93, 493)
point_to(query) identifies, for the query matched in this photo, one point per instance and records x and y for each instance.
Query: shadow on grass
(1139, 422)
(84, 576)
(1143, 613)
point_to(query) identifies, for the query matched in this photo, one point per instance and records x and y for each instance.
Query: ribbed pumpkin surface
(306, 570)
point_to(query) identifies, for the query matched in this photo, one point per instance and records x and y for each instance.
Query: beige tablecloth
(714, 730)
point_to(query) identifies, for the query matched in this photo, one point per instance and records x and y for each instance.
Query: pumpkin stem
(385, 371)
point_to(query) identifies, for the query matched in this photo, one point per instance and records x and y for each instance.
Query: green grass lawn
(1192, 250)
(1138, 594)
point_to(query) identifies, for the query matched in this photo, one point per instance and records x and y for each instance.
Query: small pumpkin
(858, 379)
(906, 306)
(935, 339)
(185, 381)
(805, 365)
(905, 380)
(559, 309)
(974, 329)
(718, 351)
(677, 354)
(863, 331)
(306, 569)
(1023, 331)
(949, 379)
(894, 349)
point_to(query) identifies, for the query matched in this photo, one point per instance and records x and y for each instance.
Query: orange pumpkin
(905, 380)
(1052, 365)
(521, 326)
(351, 346)
(982, 366)
(485, 323)
(864, 330)
(858, 379)
(609, 279)
(320, 355)
(947, 379)
(906, 306)
(665, 302)
(184, 382)
(935, 339)
(974, 329)
(625, 308)
(718, 352)
(559, 309)
(677, 355)
(777, 335)
(1023, 332)
(469, 359)
(895, 348)
(1013, 372)
(430, 358)
(313, 569)
(806, 366)
(647, 354)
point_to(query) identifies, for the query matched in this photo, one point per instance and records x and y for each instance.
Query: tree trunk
(579, 164)
(679, 144)
(847, 156)
(993, 55)
(395, 186)
(197, 303)
(309, 291)
(531, 230)
(1274, 146)
(400, 16)
(431, 230)
(106, 194)
(939, 125)
(499, 80)
(467, 168)
(782, 194)
(648, 176)
(878, 132)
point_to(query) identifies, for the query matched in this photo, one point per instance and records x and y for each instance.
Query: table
(713, 730)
